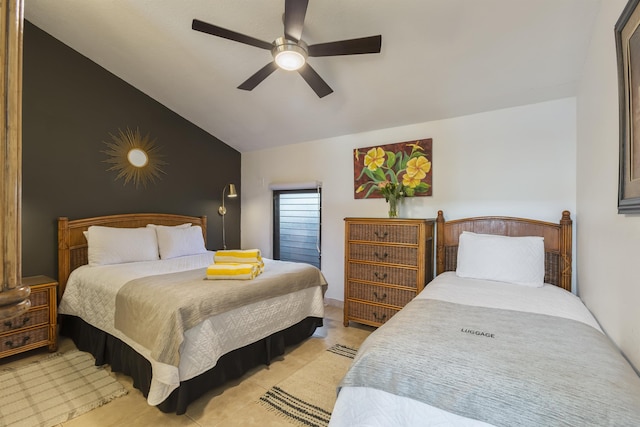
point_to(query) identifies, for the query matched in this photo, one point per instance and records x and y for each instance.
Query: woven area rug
(55, 389)
(307, 397)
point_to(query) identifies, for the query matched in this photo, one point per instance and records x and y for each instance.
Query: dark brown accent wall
(70, 106)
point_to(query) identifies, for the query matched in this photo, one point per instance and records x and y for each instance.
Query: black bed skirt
(109, 350)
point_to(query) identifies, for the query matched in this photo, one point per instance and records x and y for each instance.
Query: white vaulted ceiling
(439, 59)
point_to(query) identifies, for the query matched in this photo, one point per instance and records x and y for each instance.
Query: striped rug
(55, 389)
(307, 397)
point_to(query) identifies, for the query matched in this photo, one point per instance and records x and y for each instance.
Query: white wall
(608, 243)
(515, 162)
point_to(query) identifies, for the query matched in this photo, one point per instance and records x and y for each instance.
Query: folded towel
(246, 256)
(232, 271)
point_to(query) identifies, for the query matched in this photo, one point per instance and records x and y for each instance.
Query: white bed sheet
(91, 294)
(360, 406)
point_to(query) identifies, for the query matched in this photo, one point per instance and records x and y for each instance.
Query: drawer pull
(11, 345)
(381, 319)
(8, 323)
(381, 257)
(380, 276)
(381, 235)
(384, 296)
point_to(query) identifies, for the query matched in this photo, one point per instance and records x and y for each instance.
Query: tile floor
(230, 405)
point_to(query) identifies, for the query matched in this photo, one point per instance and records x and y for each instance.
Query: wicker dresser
(387, 263)
(37, 327)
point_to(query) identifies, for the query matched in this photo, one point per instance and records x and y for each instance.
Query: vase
(393, 207)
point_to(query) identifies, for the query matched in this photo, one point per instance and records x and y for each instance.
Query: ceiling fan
(290, 52)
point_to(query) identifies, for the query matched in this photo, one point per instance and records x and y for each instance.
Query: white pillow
(518, 260)
(179, 241)
(113, 245)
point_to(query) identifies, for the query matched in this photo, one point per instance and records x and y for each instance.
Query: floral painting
(393, 171)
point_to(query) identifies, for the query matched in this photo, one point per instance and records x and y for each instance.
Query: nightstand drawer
(379, 294)
(401, 255)
(37, 327)
(384, 233)
(383, 274)
(39, 298)
(25, 338)
(30, 318)
(372, 314)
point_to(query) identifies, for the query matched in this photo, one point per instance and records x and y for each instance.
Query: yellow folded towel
(246, 256)
(232, 271)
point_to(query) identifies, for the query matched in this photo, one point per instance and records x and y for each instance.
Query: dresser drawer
(383, 274)
(402, 255)
(39, 298)
(379, 294)
(373, 314)
(385, 233)
(25, 338)
(31, 318)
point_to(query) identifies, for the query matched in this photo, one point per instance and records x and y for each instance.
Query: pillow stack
(236, 264)
(114, 245)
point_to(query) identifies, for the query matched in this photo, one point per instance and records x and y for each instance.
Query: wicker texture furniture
(557, 241)
(387, 263)
(38, 326)
(73, 248)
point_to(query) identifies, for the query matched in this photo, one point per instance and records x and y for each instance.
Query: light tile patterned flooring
(232, 404)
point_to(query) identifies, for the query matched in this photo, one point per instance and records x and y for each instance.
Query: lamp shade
(232, 191)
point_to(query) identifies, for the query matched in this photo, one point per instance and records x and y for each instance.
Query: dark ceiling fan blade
(347, 47)
(258, 77)
(313, 79)
(294, 12)
(214, 30)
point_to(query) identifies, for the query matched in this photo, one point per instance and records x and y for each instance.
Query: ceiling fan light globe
(288, 54)
(289, 60)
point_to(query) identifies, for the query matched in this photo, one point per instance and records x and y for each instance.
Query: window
(296, 225)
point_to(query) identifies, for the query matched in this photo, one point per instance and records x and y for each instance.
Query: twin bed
(153, 316)
(495, 339)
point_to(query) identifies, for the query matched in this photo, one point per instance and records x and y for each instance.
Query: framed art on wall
(405, 166)
(627, 35)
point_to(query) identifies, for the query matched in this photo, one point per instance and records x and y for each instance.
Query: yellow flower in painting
(418, 167)
(360, 189)
(374, 159)
(356, 153)
(410, 181)
(416, 146)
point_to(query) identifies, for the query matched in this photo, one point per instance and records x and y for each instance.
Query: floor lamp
(223, 211)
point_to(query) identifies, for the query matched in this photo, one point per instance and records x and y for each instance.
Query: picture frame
(627, 38)
(408, 163)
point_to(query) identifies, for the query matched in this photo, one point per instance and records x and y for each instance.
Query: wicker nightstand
(387, 263)
(37, 327)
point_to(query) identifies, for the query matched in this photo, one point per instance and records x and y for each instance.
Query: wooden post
(13, 296)
(565, 250)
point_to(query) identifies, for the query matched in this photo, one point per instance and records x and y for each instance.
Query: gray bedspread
(503, 367)
(155, 311)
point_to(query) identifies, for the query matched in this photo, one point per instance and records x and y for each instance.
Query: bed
(497, 338)
(154, 317)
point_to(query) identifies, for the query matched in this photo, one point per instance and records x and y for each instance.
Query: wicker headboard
(557, 241)
(72, 245)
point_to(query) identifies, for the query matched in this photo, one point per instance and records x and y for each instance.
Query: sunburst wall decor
(135, 158)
